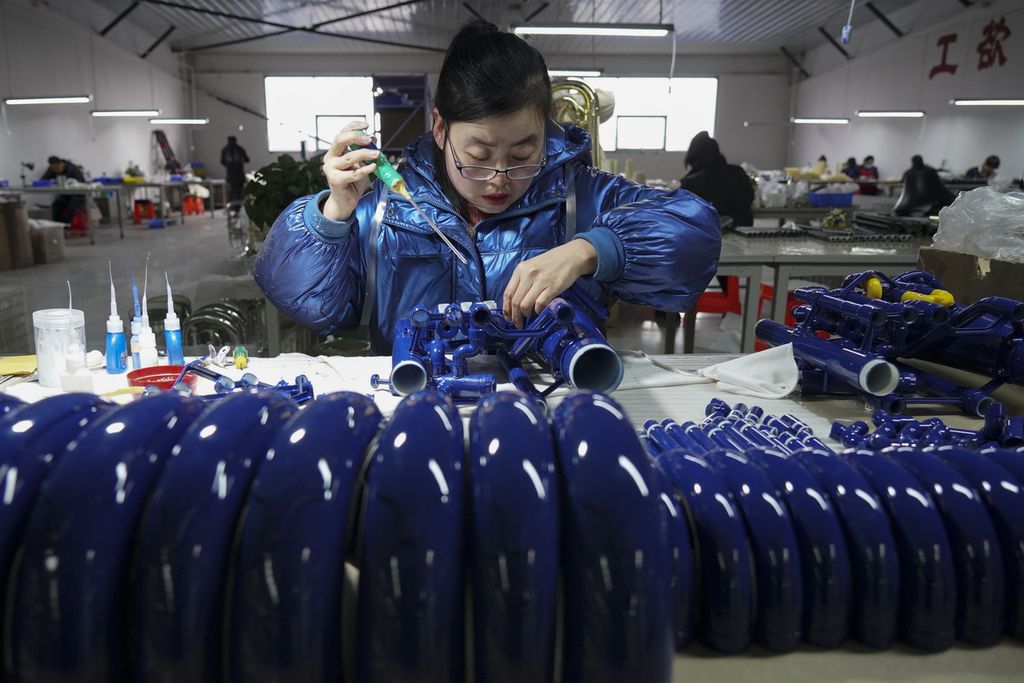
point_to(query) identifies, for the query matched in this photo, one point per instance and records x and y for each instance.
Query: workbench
(85, 191)
(786, 257)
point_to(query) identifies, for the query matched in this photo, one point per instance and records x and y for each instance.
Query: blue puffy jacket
(654, 247)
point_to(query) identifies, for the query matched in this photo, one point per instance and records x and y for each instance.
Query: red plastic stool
(726, 301)
(143, 209)
(767, 294)
(192, 205)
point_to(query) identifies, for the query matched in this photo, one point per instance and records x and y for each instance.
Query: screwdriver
(393, 179)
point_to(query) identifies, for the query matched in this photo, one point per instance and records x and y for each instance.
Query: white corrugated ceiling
(702, 26)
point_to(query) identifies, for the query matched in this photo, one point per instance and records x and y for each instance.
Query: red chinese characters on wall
(944, 67)
(990, 49)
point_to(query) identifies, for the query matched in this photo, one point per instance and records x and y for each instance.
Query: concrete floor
(200, 247)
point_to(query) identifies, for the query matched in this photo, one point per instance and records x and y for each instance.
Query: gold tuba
(576, 102)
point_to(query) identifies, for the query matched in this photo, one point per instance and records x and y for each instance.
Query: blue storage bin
(43, 183)
(830, 199)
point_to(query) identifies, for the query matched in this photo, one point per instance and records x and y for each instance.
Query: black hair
(917, 161)
(992, 161)
(703, 151)
(488, 73)
(822, 158)
(53, 160)
(851, 161)
(870, 156)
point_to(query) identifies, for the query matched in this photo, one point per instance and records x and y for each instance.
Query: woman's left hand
(537, 281)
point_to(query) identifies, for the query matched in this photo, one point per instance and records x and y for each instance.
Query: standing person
(234, 159)
(64, 206)
(851, 168)
(867, 171)
(987, 170)
(726, 186)
(510, 188)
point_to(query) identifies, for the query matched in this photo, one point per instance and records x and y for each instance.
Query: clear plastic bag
(985, 223)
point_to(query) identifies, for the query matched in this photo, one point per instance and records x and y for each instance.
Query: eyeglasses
(483, 173)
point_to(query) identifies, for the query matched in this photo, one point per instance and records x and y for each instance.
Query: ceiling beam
(884, 19)
(469, 8)
(835, 43)
(162, 38)
(119, 18)
(283, 28)
(531, 15)
(795, 62)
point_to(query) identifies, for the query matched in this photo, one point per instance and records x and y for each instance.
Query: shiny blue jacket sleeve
(671, 240)
(312, 267)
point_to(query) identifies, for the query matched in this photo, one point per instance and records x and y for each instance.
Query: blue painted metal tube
(32, 439)
(819, 296)
(1003, 495)
(872, 548)
(409, 617)
(656, 433)
(726, 604)
(871, 374)
(408, 370)
(683, 440)
(580, 354)
(513, 539)
(684, 569)
(977, 557)
(285, 621)
(79, 539)
(775, 550)
(825, 561)
(927, 579)
(618, 610)
(186, 538)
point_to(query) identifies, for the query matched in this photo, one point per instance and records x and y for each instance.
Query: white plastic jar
(58, 332)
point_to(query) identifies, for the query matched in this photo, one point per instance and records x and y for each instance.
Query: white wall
(894, 75)
(44, 53)
(742, 80)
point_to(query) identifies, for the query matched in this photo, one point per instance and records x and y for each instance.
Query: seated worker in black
(867, 171)
(726, 186)
(851, 168)
(987, 170)
(923, 191)
(65, 206)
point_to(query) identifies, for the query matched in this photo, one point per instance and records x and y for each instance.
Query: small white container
(58, 331)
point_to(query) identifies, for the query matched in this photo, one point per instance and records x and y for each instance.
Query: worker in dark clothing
(923, 193)
(725, 186)
(65, 206)
(851, 168)
(234, 159)
(987, 170)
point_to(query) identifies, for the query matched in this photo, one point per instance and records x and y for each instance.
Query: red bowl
(160, 376)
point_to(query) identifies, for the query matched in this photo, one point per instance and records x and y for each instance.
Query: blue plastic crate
(830, 199)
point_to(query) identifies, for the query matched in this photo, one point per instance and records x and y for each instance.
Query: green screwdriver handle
(385, 171)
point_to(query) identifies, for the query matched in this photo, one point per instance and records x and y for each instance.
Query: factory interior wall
(893, 74)
(78, 61)
(742, 80)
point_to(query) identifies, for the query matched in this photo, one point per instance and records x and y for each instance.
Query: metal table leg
(750, 310)
(120, 212)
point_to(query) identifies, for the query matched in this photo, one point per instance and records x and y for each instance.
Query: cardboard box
(48, 244)
(19, 237)
(969, 277)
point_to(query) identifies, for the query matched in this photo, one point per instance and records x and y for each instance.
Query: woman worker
(513, 191)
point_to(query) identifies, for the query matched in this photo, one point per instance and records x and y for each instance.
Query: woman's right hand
(346, 173)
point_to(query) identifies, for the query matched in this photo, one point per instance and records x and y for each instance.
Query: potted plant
(277, 185)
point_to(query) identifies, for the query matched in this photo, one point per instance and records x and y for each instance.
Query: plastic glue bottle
(172, 330)
(136, 323)
(116, 353)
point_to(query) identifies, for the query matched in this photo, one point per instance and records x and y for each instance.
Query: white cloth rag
(771, 373)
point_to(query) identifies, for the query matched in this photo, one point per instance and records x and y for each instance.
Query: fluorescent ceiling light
(837, 122)
(890, 114)
(578, 73)
(634, 30)
(181, 122)
(101, 113)
(67, 99)
(1002, 102)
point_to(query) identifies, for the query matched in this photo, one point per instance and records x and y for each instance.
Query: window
(313, 108)
(656, 115)
(640, 132)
